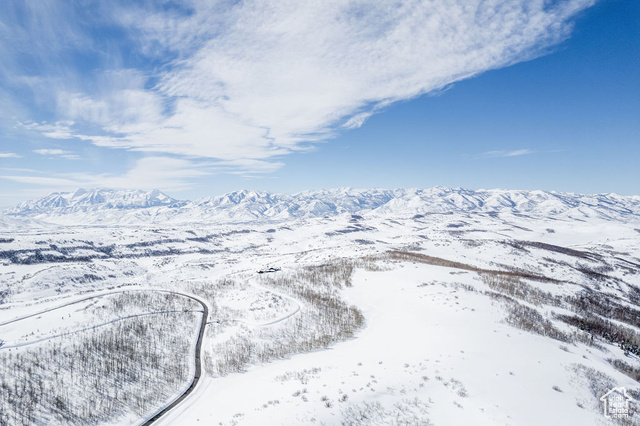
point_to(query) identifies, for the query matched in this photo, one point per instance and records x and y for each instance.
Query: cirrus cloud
(60, 153)
(248, 82)
(514, 153)
(147, 173)
(9, 155)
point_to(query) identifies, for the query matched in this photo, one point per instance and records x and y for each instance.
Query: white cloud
(514, 153)
(149, 173)
(257, 79)
(21, 170)
(9, 155)
(59, 130)
(57, 153)
(357, 120)
(156, 172)
(40, 180)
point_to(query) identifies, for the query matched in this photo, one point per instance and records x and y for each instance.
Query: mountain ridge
(109, 205)
(93, 199)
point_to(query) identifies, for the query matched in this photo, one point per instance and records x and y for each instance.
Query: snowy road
(93, 327)
(197, 360)
(284, 296)
(197, 355)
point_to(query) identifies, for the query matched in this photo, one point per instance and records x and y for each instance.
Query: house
(268, 269)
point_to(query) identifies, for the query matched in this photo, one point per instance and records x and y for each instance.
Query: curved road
(198, 361)
(93, 327)
(198, 350)
(97, 296)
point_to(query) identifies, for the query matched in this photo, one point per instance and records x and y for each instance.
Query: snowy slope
(430, 355)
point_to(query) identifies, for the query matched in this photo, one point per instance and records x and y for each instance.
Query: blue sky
(199, 98)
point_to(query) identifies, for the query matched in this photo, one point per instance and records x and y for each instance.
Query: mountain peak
(93, 199)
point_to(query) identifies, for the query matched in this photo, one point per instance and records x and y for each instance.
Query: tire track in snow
(93, 327)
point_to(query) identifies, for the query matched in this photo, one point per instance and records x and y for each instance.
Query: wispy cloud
(148, 173)
(9, 155)
(59, 130)
(20, 170)
(514, 153)
(247, 82)
(57, 153)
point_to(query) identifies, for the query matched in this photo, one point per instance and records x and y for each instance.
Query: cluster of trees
(515, 287)
(129, 367)
(323, 319)
(407, 412)
(592, 318)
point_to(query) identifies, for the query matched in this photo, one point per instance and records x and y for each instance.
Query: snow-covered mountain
(88, 200)
(122, 206)
(251, 205)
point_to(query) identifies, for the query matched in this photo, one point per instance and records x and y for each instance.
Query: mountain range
(93, 206)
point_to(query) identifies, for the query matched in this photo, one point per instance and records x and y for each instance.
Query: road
(198, 361)
(198, 364)
(198, 350)
(93, 327)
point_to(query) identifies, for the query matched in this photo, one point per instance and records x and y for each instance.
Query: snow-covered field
(390, 314)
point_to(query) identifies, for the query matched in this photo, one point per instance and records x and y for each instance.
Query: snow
(107, 206)
(453, 339)
(435, 346)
